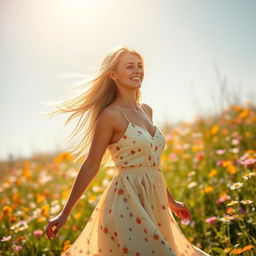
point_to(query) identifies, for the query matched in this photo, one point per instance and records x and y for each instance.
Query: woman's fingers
(51, 229)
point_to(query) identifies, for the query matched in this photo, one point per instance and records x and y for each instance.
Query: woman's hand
(180, 210)
(54, 224)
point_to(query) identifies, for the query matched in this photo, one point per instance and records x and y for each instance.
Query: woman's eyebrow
(132, 63)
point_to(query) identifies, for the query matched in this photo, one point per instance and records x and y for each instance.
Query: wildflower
(226, 218)
(249, 163)
(77, 215)
(185, 221)
(247, 248)
(242, 211)
(212, 173)
(208, 189)
(191, 173)
(214, 129)
(19, 226)
(231, 169)
(230, 210)
(222, 198)
(63, 157)
(7, 211)
(232, 203)
(6, 238)
(38, 233)
(17, 248)
(211, 220)
(236, 185)
(247, 175)
(220, 151)
(200, 156)
(226, 250)
(248, 201)
(219, 162)
(192, 184)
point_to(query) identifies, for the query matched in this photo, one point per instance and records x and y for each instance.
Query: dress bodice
(137, 147)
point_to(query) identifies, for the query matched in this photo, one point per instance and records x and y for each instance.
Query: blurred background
(195, 53)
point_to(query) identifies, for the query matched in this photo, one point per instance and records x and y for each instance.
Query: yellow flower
(7, 211)
(226, 250)
(65, 193)
(214, 129)
(236, 108)
(77, 215)
(67, 242)
(212, 173)
(64, 156)
(232, 203)
(208, 189)
(248, 134)
(244, 113)
(27, 170)
(16, 198)
(231, 169)
(40, 198)
(45, 209)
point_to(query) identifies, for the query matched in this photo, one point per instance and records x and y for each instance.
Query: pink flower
(17, 248)
(38, 233)
(219, 162)
(185, 221)
(211, 220)
(220, 151)
(6, 238)
(222, 199)
(249, 163)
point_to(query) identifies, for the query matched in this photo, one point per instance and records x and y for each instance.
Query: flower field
(210, 164)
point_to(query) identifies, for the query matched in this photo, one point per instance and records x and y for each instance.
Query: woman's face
(130, 71)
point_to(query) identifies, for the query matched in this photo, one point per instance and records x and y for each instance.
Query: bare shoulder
(102, 133)
(148, 109)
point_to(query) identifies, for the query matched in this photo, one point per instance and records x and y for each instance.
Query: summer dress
(132, 216)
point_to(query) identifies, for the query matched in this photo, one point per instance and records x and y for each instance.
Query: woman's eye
(131, 67)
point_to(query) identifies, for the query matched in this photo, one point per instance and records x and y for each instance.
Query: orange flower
(244, 113)
(247, 248)
(237, 251)
(64, 156)
(212, 173)
(231, 169)
(208, 189)
(214, 129)
(230, 210)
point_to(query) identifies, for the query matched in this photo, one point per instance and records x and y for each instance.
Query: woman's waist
(127, 169)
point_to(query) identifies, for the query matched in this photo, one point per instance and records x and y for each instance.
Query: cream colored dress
(132, 216)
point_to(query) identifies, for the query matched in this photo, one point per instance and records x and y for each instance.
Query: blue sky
(46, 46)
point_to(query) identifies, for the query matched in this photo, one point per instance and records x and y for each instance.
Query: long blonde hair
(89, 103)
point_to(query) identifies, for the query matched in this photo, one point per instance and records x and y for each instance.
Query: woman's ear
(111, 75)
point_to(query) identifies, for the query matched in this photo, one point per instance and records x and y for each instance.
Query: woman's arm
(104, 127)
(82, 181)
(171, 200)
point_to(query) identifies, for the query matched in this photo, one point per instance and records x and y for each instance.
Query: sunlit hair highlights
(97, 92)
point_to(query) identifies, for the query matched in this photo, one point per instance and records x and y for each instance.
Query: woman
(134, 213)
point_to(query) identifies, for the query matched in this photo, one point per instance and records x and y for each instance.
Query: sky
(189, 47)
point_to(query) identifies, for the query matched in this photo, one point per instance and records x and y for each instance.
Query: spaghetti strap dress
(132, 216)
